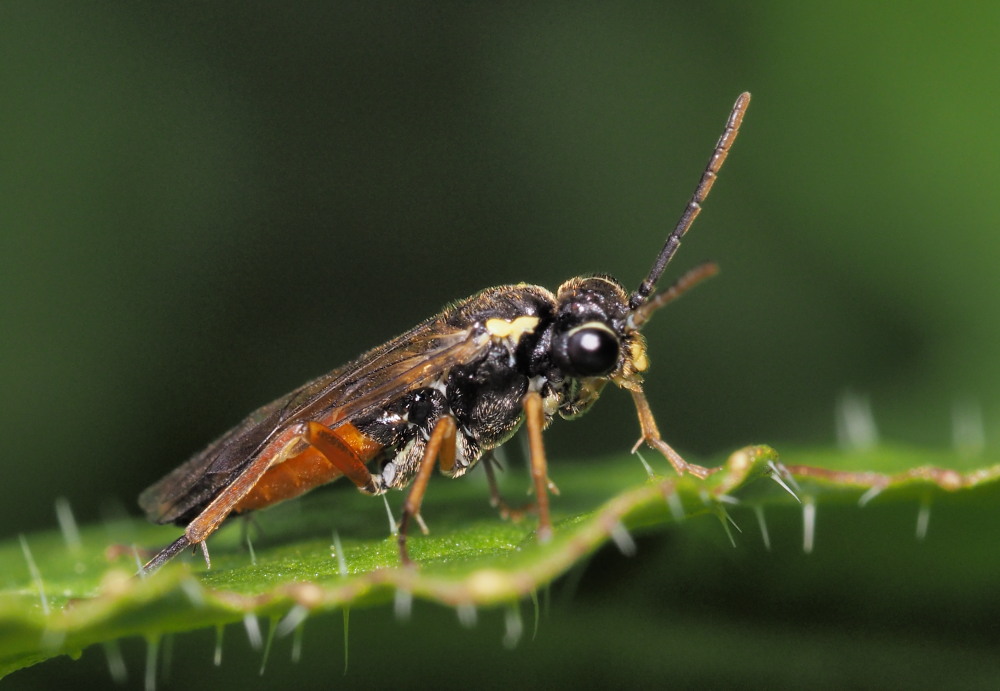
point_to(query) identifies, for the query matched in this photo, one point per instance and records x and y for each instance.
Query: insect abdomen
(310, 469)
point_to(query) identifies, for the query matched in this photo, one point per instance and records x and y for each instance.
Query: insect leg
(238, 495)
(340, 455)
(651, 435)
(442, 437)
(165, 555)
(318, 436)
(534, 417)
(198, 530)
(497, 501)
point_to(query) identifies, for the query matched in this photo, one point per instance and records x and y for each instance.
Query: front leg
(651, 436)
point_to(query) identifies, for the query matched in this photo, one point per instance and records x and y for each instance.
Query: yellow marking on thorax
(637, 351)
(513, 330)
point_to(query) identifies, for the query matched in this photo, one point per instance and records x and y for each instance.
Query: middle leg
(440, 445)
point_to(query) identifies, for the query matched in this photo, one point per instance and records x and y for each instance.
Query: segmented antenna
(719, 154)
(639, 316)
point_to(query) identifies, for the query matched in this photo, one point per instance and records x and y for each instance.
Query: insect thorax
(522, 328)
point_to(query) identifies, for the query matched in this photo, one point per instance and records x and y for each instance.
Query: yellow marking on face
(637, 351)
(513, 330)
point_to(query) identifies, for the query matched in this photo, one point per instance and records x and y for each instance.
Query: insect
(442, 394)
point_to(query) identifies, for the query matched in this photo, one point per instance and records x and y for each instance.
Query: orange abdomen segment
(311, 468)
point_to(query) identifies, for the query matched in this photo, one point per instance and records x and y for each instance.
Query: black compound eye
(592, 351)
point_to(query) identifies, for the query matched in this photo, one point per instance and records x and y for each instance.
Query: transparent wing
(408, 362)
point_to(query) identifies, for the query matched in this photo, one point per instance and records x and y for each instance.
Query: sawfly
(442, 394)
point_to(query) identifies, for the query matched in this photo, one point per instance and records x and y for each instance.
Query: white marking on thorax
(550, 398)
(511, 330)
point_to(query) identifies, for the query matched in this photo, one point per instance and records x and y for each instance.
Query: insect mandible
(444, 393)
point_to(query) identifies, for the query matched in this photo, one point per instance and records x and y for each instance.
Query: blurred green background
(206, 204)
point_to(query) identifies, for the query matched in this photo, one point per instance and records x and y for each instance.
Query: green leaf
(59, 597)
